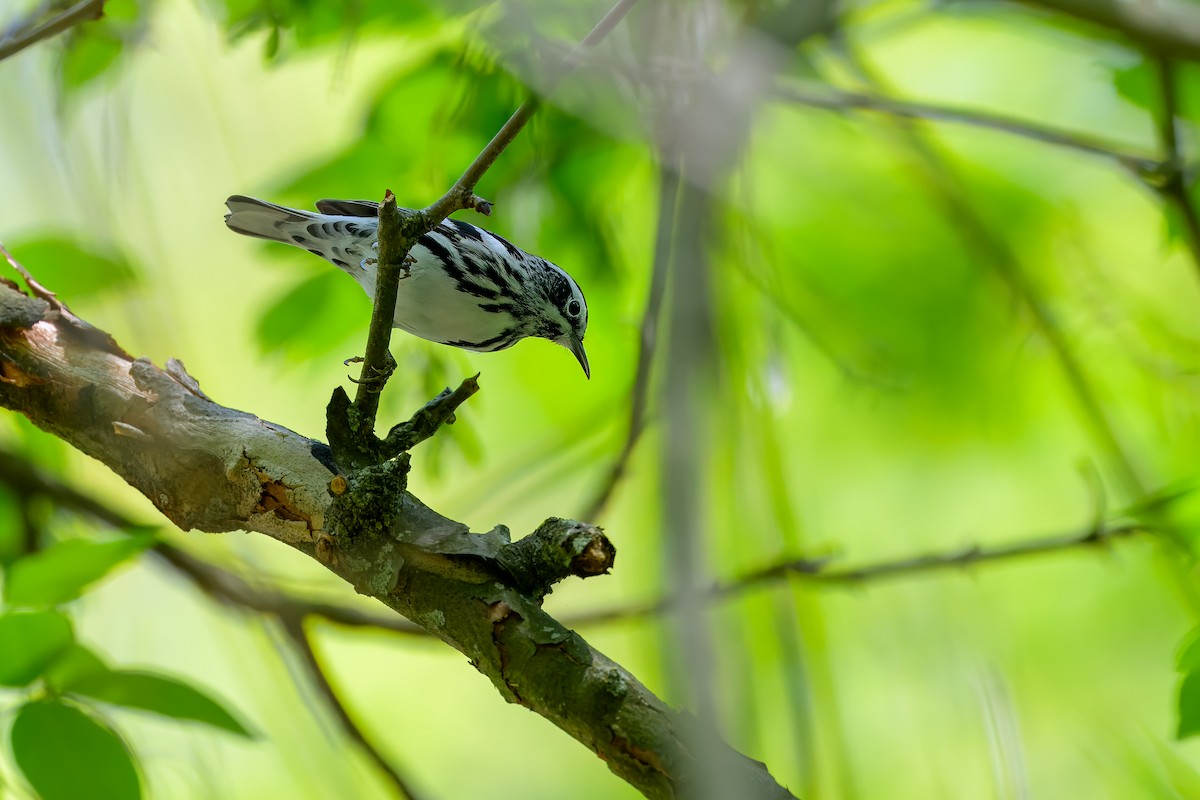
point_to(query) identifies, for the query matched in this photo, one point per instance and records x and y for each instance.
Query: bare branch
(425, 423)
(398, 233)
(35, 28)
(217, 469)
(461, 194)
(1166, 28)
(834, 99)
(817, 571)
(294, 628)
(395, 240)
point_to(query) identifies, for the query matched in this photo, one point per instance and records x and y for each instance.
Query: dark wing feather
(349, 208)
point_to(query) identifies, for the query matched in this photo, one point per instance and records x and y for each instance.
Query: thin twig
(34, 29)
(234, 591)
(668, 194)
(293, 626)
(834, 99)
(461, 195)
(1174, 185)
(816, 571)
(426, 421)
(376, 368)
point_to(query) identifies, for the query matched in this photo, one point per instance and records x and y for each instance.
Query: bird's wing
(349, 208)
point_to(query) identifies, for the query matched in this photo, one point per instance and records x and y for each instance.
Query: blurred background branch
(48, 20)
(1169, 28)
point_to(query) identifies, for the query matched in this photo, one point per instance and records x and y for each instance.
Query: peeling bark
(216, 469)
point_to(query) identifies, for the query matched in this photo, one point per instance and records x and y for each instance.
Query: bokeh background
(900, 309)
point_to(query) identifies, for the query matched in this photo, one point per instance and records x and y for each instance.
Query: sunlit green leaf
(75, 664)
(1189, 706)
(12, 533)
(72, 267)
(1187, 657)
(66, 754)
(159, 694)
(91, 49)
(29, 643)
(124, 11)
(317, 316)
(60, 573)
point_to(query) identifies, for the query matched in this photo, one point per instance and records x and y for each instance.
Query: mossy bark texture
(212, 468)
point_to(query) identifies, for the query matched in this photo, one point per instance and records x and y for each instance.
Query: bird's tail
(253, 217)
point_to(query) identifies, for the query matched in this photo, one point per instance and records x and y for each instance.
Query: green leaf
(159, 694)
(59, 263)
(62, 572)
(317, 316)
(12, 530)
(1187, 657)
(124, 11)
(65, 754)
(29, 643)
(91, 49)
(1189, 706)
(77, 663)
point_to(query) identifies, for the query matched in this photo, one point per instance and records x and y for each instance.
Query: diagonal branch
(35, 28)
(461, 194)
(1165, 28)
(293, 626)
(398, 232)
(833, 99)
(217, 469)
(816, 571)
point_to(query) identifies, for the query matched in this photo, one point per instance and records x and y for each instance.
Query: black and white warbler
(465, 287)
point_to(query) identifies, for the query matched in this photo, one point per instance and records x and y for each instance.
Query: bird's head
(561, 311)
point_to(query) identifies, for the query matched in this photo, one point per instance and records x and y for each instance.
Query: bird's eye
(573, 308)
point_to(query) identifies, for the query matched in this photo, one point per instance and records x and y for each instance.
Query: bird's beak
(576, 346)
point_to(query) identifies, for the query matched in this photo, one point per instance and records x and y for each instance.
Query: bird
(462, 286)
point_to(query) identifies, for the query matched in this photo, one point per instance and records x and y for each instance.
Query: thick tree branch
(37, 27)
(217, 469)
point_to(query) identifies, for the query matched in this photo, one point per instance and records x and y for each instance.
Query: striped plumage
(466, 288)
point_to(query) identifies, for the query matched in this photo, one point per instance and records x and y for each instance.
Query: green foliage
(66, 754)
(63, 571)
(92, 50)
(72, 666)
(290, 323)
(1187, 662)
(88, 268)
(311, 23)
(155, 693)
(30, 641)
